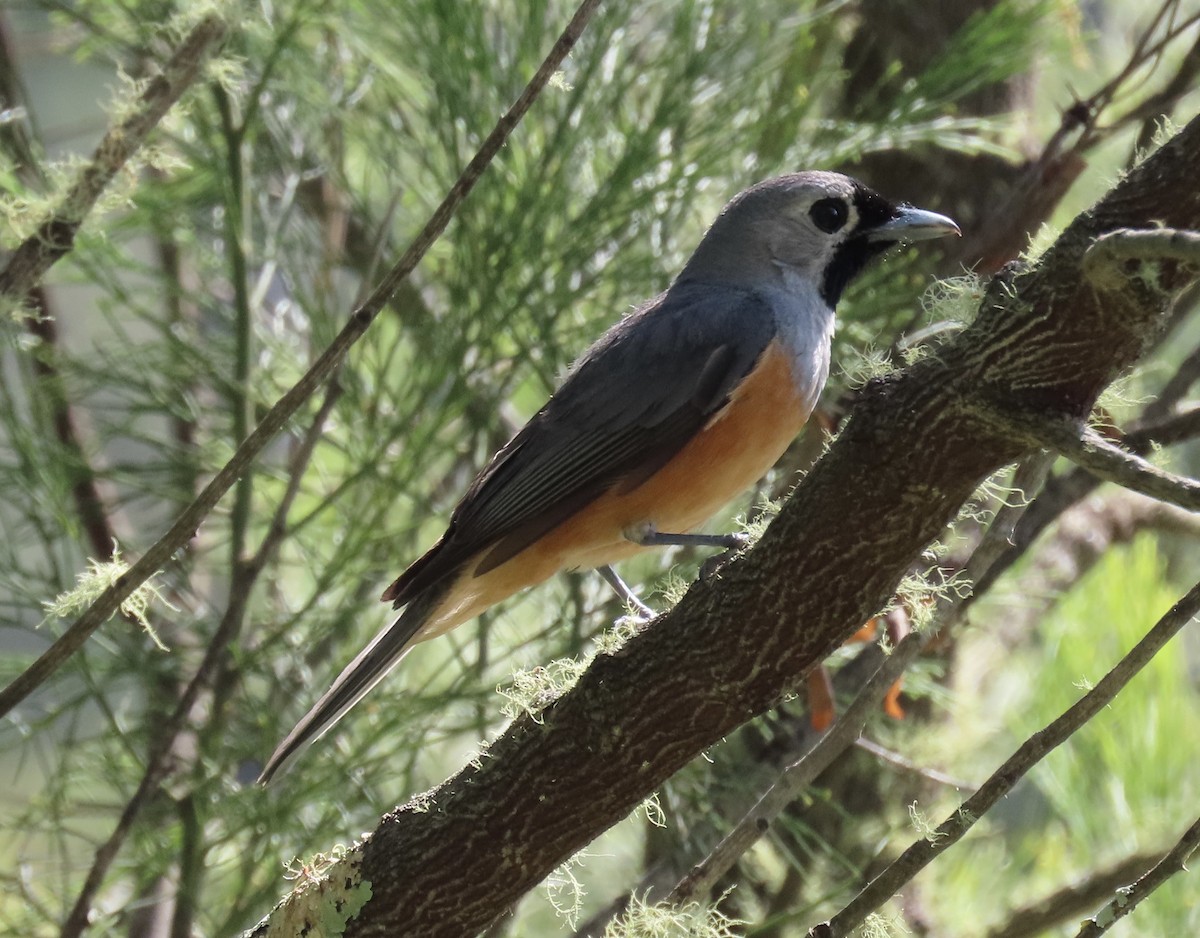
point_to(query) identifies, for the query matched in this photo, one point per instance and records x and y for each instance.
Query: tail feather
(372, 664)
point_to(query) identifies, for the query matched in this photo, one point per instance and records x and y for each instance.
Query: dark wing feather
(628, 406)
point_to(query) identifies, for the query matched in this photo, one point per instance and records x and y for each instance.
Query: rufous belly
(732, 452)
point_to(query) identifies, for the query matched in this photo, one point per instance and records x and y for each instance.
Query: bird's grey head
(813, 228)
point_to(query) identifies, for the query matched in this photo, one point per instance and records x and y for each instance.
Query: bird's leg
(622, 589)
(647, 536)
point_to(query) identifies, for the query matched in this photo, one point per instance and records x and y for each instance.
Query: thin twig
(54, 237)
(1171, 427)
(299, 462)
(1071, 900)
(1072, 487)
(1174, 388)
(1101, 458)
(236, 226)
(91, 506)
(1028, 754)
(1162, 103)
(1046, 179)
(883, 754)
(1127, 899)
(186, 524)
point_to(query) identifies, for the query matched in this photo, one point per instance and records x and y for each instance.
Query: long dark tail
(360, 675)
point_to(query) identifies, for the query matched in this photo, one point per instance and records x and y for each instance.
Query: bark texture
(1045, 344)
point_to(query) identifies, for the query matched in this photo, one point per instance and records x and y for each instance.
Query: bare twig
(55, 236)
(1146, 47)
(1071, 900)
(1028, 754)
(286, 407)
(1072, 487)
(883, 754)
(300, 460)
(1127, 899)
(1174, 388)
(92, 507)
(1163, 102)
(1171, 427)
(1092, 452)
(1048, 177)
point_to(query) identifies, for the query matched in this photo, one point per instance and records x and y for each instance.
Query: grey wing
(628, 406)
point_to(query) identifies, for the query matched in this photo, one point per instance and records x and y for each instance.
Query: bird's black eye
(828, 214)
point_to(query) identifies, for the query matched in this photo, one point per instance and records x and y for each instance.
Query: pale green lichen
(1164, 130)
(674, 587)
(329, 893)
(23, 211)
(611, 640)
(859, 366)
(565, 892)
(920, 593)
(952, 301)
(642, 920)
(922, 825)
(878, 925)
(534, 689)
(652, 810)
(765, 510)
(100, 576)
(1040, 242)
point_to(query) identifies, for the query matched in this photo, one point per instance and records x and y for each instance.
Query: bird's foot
(712, 566)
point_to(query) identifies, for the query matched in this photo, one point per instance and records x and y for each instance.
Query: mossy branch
(55, 236)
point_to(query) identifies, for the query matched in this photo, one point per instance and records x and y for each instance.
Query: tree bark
(919, 442)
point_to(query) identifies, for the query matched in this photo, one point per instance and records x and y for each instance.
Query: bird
(679, 407)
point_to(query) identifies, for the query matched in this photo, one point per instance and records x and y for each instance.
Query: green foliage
(1123, 784)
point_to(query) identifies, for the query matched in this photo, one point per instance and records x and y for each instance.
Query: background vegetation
(314, 145)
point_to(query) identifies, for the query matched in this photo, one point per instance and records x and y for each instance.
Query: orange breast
(734, 449)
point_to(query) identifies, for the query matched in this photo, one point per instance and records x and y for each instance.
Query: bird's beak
(913, 224)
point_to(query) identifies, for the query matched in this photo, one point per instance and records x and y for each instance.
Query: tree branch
(1071, 900)
(1127, 899)
(1072, 487)
(699, 882)
(54, 237)
(1103, 261)
(1102, 459)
